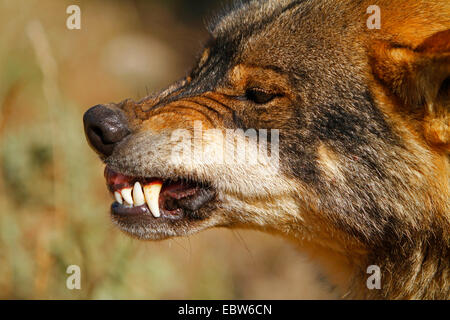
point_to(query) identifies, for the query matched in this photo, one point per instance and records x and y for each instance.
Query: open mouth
(156, 197)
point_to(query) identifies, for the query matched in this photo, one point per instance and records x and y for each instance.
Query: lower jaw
(143, 211)
(138, 222)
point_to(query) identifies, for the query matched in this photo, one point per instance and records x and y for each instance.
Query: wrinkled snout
(105, 126)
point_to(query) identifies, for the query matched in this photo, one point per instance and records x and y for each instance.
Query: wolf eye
(259, 96)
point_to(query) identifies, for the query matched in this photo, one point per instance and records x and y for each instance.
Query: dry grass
(53, 203)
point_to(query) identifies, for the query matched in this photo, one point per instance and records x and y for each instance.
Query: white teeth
(126, 194)
(151, 192)
(138, 195)
(118, 197)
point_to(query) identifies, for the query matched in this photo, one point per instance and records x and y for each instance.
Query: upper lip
(160, 197)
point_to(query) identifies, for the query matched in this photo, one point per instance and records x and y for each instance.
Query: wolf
(361, 118)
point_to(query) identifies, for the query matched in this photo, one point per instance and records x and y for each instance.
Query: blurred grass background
(53, 201)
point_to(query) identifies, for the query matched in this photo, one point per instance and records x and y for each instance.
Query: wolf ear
(420, 78)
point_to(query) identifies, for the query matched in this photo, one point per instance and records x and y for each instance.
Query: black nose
(104, 127)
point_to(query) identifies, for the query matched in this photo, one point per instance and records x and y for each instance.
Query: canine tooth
(126, 194)
(151, 192)
(138, 195)
(118, 197)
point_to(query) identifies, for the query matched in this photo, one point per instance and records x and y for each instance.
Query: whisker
(241, 240)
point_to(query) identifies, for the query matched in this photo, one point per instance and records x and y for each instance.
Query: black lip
(143, 211)
(121, 210)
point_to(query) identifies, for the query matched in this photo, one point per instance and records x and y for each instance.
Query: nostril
(104, 128)
(97, 133)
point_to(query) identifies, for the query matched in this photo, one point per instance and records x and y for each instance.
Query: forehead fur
(250, 12)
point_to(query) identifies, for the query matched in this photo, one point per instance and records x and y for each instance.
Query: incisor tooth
(126, 194)
(118, 197)
(138, 195)
(151, 192)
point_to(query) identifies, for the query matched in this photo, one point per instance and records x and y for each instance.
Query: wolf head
(354, 123)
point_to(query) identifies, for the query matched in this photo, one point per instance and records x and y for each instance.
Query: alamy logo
(74, 20)
(74, 280)
(228, 146)
(374, 281)
(374, 20)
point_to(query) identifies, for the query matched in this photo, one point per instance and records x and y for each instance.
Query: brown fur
(364, 137)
